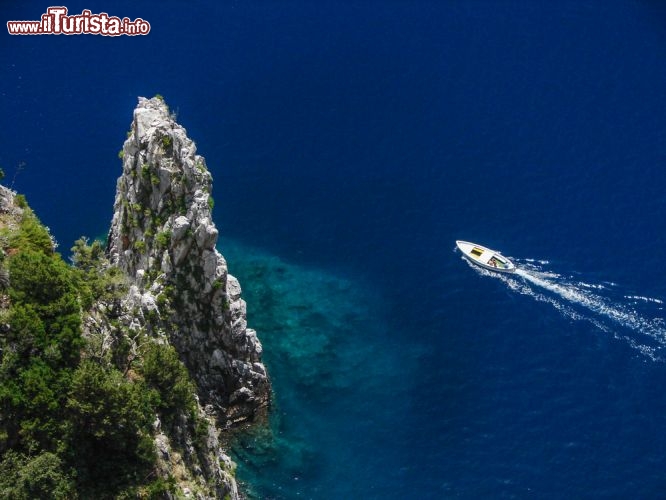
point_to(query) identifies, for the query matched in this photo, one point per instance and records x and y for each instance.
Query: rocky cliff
(120, 373)
(162, 237)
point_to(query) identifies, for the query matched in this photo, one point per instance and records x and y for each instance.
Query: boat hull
(485, 257)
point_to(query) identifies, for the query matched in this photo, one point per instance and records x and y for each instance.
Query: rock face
(6, 200)
(162, 236)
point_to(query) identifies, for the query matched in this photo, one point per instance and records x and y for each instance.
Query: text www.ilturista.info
(56, 22)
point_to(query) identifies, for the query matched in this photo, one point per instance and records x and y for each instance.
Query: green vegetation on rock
(76, 413)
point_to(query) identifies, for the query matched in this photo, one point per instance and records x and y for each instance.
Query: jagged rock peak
(163, 237)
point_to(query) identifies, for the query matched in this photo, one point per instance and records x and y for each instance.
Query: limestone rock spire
(163, 237)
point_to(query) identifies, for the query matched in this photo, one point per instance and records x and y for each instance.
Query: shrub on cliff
(31, 234)
(164, 372)
(41, 476)
(41, 345)
(67, 427)
(111, 423)
(96, 280)
(44, 285)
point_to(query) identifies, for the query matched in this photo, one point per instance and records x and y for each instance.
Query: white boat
(485, 257)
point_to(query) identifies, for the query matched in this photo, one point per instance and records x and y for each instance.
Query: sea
(351, 144)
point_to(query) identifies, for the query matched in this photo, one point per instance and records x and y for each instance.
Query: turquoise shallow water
(340, 384)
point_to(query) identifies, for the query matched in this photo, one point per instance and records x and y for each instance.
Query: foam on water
(644, 299)
(610, 310)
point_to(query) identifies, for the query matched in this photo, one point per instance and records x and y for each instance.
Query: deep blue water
(351, 144)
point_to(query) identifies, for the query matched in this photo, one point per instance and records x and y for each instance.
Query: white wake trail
(613, 315)
(600, 305)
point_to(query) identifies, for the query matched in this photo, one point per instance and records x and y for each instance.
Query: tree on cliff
(69, 426)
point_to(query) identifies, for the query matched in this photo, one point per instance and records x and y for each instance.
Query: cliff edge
(163, 238)
(119, 373)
